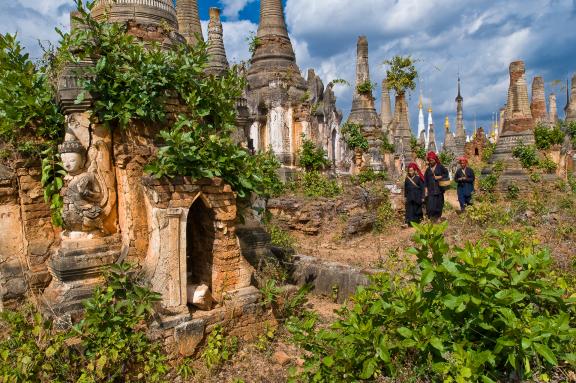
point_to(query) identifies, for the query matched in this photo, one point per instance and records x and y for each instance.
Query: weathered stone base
(77, 268)
(243, 315)
(329, 278)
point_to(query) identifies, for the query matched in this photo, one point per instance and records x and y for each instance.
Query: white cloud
(232, 8)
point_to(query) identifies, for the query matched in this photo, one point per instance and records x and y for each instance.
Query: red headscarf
(433, 156)
(413, 165)
(463, 159)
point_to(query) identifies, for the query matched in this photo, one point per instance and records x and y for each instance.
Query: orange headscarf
(463, 159)
(433, 156)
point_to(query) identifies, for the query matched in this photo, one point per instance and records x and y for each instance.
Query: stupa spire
(386, 109)
(274, 55)
(460, 138)
(217, 61)
(538, 104)
(189, 20)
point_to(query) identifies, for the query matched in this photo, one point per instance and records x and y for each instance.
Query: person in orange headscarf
(413, 194)
(465, 178)
(435, 173)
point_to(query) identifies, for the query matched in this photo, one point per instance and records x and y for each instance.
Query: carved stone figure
(82, 193)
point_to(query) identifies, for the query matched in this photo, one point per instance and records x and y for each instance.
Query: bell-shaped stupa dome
(143, 11)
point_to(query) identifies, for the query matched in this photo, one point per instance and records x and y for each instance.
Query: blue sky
(478, 38)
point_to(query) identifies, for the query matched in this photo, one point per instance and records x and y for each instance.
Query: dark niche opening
(333, 142)
(200, 236)
(476, 152)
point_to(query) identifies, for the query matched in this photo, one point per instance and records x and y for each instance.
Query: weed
(219, 349)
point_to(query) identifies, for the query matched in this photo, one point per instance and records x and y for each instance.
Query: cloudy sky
(476, 38)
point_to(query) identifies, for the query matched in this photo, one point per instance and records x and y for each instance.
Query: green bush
(415, 147)
(366, 88)
(487, 213)
(446, 157)
(488, 151)
(312, 157)
(385, 215)
(527, 155)
(512, 192)
(352, 134)
(546, 136)
(109, 345)
(316, 184)
(219, 348)
(369, 175)
(486, 312)
(280, 237)
(387, 146)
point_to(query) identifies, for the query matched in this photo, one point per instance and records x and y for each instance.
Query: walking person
(435, 174)
(465, 178)
(413, 194)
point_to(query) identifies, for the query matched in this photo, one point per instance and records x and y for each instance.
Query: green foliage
(29, 117)
(31, 351)
(386, 146)
(369, 175)
(546, 136)
(417, 149)
(547, 165)
(316, 184)
(488, 151)
(570, 129)
(340, 81)
(109, 345)
(52, 182)
(512, 192)
(446, 157)
(401, 74)
(482, 313)
(219, 349)
(487, 213)
(280, 237)
(385, 215)
(488, 183)
(311, 157)
(30, 121)
(253, 42)
(572, 182)
(352, 134)
(185, 369)
(270, 291)
(190, 150)
(366, 88)
(527, 155)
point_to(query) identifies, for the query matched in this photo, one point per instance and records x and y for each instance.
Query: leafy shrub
(366, 88)
(312, 157)
(484, 313)
(316, 184)
(279, 237)
(488, 183)
(512, 192)
(488, 151)
(572, 182)
(369, 175)
(352, 134)
(527, 155)
(485, 212)
(385, 215)
(546, 136)
(418, 149)
(109, 345)
(219, 348)
(401, 74)
(547, 165)
(446, 157)
(387, 146)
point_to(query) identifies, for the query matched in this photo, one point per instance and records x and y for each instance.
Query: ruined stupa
(460, 136)
(449, 139)
(217, 61)
(553, 114)
(402, 129)
(152, 12)
(518, 127)
(277, 93)
(363, 111)
(570, 108)
(538, 103)
(189, 20)
(386, 111)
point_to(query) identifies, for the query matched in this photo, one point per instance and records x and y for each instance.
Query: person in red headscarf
(413, 194)
(435, 173)
(465, 178)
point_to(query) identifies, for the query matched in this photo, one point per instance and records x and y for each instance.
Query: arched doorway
(200, 235)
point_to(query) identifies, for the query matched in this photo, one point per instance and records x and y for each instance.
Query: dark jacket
(414, 190)
(432, 183)
(465, 186)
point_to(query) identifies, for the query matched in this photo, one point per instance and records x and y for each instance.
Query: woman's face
(431, 162)
(411, 172)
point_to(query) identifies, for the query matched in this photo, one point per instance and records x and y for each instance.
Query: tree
(401, 74)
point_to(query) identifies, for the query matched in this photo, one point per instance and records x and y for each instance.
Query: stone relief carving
(89, 191)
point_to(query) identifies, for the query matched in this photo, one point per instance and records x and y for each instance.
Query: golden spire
(430, 108)
(447, 123)
(420, 102)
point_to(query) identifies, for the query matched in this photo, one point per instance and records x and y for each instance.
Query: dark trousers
(413, 212)
(434, 206)
(464, 198)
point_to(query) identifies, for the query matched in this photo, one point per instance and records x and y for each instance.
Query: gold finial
(430, 108)
(447, 123)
